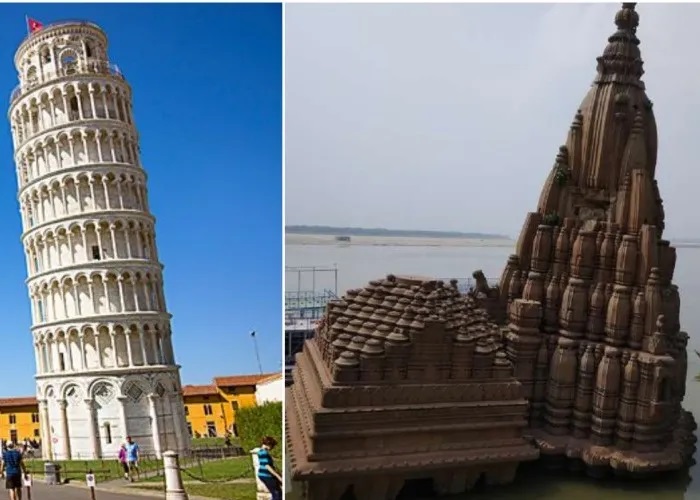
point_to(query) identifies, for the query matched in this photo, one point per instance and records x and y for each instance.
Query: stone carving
(104, 393)
(73, 394)
(407, 377)
(579, 347)
(134, 392)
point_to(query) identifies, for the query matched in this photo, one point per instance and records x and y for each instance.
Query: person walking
(132, 457)
(267, 473)
(123, 460)
(13, 469)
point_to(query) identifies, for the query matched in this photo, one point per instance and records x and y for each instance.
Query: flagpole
(26, 23)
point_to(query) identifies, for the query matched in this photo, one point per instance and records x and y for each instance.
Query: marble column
(175, 416)
(155, 427)
(123, 419)
(44, 424)
(92, 428)
(63, 406)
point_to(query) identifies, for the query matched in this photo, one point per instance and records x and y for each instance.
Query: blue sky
(207, 84)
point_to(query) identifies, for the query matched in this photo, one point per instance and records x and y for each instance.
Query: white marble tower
(102, 339)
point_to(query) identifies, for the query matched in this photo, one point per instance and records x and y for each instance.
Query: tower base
(90, 416)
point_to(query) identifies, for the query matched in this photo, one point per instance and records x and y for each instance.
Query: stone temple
(576, 356)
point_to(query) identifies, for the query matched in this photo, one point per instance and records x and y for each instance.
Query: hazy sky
(450, 116)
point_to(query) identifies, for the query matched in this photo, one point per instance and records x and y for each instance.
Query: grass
(244, 491)
(213, 442)
(215, 470)
(110, 469)
(104, 470)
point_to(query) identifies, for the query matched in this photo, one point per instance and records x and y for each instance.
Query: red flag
(33, 25)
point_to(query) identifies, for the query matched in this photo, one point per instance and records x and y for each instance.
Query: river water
(359, 264)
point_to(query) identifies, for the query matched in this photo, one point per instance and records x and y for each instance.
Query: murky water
(359, 264)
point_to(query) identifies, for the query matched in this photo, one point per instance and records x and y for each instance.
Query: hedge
(256, 422)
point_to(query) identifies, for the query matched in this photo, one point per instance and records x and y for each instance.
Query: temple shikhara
(577, 355)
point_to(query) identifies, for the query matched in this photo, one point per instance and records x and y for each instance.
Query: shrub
(561, 175)
(256, 422)
(551, 219)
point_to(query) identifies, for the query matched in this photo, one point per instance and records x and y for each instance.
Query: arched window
(88, 50)
(32, 75)
(73, 115)
(69, 62)
(45, 55)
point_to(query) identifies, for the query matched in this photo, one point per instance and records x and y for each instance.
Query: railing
(90, 67)
(303, 300)
(106, 469)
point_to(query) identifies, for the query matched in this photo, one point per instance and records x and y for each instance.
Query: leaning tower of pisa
(102, 339)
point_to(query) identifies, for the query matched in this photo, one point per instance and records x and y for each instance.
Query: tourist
(13, 469)
(266, 468)
(123, 460)
(132, 457)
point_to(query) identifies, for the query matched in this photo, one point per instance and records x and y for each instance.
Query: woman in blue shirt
(266, 468)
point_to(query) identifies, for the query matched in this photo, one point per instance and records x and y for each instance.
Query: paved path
(41, 491)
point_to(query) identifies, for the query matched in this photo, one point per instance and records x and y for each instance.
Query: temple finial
(621, 61)
(627, 18)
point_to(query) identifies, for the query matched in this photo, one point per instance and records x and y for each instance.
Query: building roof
(271, 378)
(241, 380)
(199, 390)
(21, 401)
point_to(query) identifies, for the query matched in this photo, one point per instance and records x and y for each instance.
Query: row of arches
(74, 147)
(82, 194)
(98, 293)
(103, 346)
(68, 103)
(44, 58)
(91, 241)
(122, 387)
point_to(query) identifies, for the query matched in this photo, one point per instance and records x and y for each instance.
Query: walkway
(41, 491)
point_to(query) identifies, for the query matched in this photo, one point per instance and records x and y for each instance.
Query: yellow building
(210, 410)
(19, 419)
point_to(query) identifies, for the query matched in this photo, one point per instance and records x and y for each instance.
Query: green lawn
(215, 470)
(104, 470)
(212, 442)
(244, 491)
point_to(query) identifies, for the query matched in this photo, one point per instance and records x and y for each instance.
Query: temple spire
(621, 61)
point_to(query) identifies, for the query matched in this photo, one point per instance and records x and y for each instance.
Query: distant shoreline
(416, 241)
(389, 233)
(399, 241)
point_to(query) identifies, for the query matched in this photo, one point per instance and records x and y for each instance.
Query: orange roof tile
(199, 390)
(240, 380)
(21, 401)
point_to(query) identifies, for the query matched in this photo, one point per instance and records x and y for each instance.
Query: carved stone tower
(606, 374)
(105, 363)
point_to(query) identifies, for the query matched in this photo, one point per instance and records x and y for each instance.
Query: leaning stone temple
(101, 330)
(576, 356)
